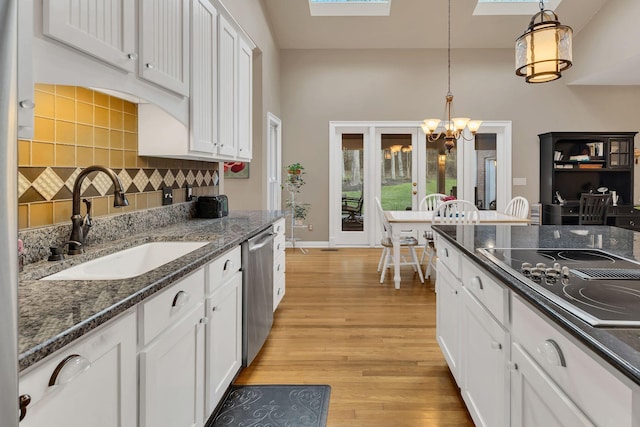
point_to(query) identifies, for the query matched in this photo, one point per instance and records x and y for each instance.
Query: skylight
(512, 7)
(350, 7)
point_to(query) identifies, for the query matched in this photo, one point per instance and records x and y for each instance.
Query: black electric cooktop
(600, 288)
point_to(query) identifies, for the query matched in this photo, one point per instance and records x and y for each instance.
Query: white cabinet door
(102, 28)
(448, 300)
(279, 263)
(224, 339)
(164, 44)
(172, 375)
(228, 65)
(484, 357)
(245, 93)
(538, 401)
(96, 385)
(204, 77)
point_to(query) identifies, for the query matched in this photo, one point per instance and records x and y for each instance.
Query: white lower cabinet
(172, 364)
(92, 382)
(485, 382)
(448, 290)
(536, 400)
(279, 263)
(224, 339)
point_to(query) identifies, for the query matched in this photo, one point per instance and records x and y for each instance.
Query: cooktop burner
(600, 288)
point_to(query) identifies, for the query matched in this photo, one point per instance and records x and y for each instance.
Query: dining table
(422, 220)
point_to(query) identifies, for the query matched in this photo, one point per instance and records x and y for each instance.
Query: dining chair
(409, 242)
(429, 203)
(518, 207)
(593, 209)
(456, 212)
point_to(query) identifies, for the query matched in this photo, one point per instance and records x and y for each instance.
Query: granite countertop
(620, 347)
(54, 313)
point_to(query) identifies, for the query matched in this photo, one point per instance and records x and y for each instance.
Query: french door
(394, 162)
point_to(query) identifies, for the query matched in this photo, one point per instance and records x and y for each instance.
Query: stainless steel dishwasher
(257, 291)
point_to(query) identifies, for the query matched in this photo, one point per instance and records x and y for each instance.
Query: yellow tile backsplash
(76, 127)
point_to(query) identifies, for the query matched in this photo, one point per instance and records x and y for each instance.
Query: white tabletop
(486, 217)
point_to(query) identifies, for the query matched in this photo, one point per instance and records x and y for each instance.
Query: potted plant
(295, 168)
(294, 176)
(300, 211)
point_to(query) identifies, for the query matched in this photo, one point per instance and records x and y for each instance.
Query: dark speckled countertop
(620, 347)
(55, 313)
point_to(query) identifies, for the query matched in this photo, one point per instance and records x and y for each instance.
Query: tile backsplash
(76, 127)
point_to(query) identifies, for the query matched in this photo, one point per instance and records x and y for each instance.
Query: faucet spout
(80, 226)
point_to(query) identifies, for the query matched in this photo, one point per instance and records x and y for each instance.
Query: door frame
(466, 170)
(274, 165)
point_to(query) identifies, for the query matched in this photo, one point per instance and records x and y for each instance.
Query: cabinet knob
(24, 401)
(204, 320)
(512, 366)
(445, 252)
(551, 352)
(27, 104)
(69, 369)
(132, 56)
(496, 346)
(180, 299)
(149, 65)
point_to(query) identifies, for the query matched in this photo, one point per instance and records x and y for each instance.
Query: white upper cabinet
(25, 70)
(204, 77)
(102, 28)
(228, 62)
(164, 43)
(245, 76)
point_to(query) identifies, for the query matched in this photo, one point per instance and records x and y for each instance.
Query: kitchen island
(518, 357)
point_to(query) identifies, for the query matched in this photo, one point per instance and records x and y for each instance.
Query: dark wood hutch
(572, 163)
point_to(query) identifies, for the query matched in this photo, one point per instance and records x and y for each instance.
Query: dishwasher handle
(260, 241)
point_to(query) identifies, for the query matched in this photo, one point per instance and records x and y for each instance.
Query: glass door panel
(353, 214)
(396, 171)
(442, 169)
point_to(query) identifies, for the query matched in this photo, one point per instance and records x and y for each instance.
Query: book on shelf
(580, 158)
(590, 166)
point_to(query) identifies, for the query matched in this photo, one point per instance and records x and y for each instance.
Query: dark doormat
(274, 405)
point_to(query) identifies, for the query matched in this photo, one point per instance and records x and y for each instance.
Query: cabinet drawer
(99, 382)
(279, 245)
(279, 226)
(222, 268)
(172, 304)
(448, 255)
(605, 399)
(278, 268)
(490, 293)
(278, 291)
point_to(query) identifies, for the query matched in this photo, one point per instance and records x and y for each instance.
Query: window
(513, 7)
(350, 7)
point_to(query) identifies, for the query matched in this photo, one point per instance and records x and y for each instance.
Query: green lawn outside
(398, 197)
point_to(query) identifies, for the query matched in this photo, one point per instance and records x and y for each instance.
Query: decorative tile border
(40, 184)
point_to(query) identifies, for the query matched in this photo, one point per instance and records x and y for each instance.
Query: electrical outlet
(310, 226)
(167, 196)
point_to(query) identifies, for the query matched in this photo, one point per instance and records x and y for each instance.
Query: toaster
(212, 206)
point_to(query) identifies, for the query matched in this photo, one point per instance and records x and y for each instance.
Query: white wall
(323, 85)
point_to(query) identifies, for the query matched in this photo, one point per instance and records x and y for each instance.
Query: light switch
(167, 196)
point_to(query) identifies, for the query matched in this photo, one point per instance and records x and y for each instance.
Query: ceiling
(412, 24)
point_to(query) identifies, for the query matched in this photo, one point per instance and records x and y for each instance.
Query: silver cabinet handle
(496, 346)
(512, 366)
(24, 401)
(204, 320)
(476, 281)
(180, 299)
(69, 369)
(149, 65)
(228, 263)
(132, 56)
(552, 353)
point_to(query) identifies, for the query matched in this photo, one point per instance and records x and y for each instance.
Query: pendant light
(544, 50)
(452, 128)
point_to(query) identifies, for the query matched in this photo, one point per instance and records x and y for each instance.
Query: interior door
(274, 162)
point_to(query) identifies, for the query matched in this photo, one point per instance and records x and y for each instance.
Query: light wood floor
(373, 344)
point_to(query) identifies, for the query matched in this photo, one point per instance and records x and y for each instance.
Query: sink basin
(127, 263)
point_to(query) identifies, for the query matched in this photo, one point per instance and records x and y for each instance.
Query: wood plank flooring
(373, 344)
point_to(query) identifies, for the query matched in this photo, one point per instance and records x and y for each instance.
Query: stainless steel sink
(127, 263)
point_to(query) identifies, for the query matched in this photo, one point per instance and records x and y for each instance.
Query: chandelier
(452, 128)
(544, 50)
